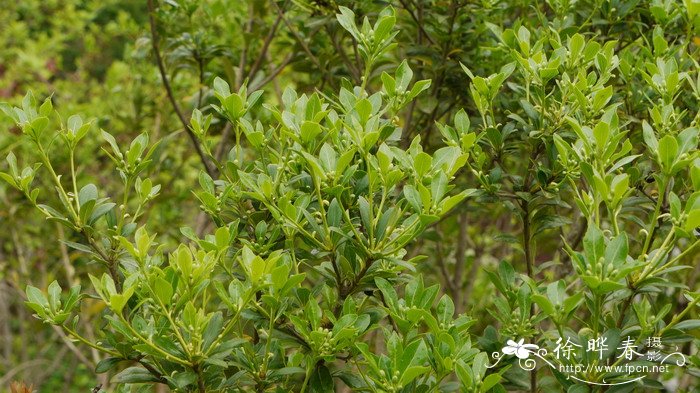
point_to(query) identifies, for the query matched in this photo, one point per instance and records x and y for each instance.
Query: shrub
(312, 214)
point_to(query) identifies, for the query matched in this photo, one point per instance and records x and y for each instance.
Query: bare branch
(266, 45)
(299, 39)
(166, 83)
(244, 53)
(273, 74)
(418, 22)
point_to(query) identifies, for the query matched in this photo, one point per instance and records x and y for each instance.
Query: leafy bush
(323, 194)
(548, 176)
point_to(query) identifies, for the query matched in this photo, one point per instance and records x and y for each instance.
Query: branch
(12, 372)
(244, 53)
(354, 72)
(418, 22)
(73, 348)
(273, 74)
(449, 287)
(166, 83)
(270, 35)
(460, 260)
(299, 39)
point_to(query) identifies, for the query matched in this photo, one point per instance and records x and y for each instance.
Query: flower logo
(519, 349)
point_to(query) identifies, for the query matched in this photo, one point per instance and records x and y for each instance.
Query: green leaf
(413, 354)
(544, 303)
(601, 98)
(34, 295)
(411, 373)
(490, 381)
(576, 44)
(388, 292)
(593, 244)
(221, 87)
(117, 301)
(39, 124)
(389, 84)
(364, 109)
(418, 87)
(688, 325)
(346, 18)
(279, 275)
(668, 149)
(163, 290)
(413, 198)
(74, 123)
(404, 74)
(134, 375)
(693, 220)
(212, 330)
(321, 380)
(445, 310)
(365, 213)
(422, 163)
(309, 131)
(313, 313)
(106, 364)
(258, 269)
(616, 250)
(328, 157)
(524, 40)
(438, 186)
(54, 296)
(462, 123)
(383, 27)
(87, 193)
(572, 302)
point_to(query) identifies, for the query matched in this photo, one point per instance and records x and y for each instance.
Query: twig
(200, 379)
(221, 149)
(460, 261)
(273, 74)
(244, 53)
(65, 258)
(299, 39)
(166, 83)
(270, 35)
(352, 68)
(11, 373)
(449, 284)
(38, 378)
(418, 22)
(200, 93)
(90, 365)
(466, 293)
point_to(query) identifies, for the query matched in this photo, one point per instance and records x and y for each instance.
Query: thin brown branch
(352, 68)
(466, 293)
(266, 45)
(221, 149)
(273, 74)
(244, 53)
(299, 39)
(78, 354)
(460, 260)
(200, 93)
(418, 22)
(443, 268)
(16, 370)
(151, 369)
(166, 83)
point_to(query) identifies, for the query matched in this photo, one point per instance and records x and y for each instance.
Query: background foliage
(562, 134)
